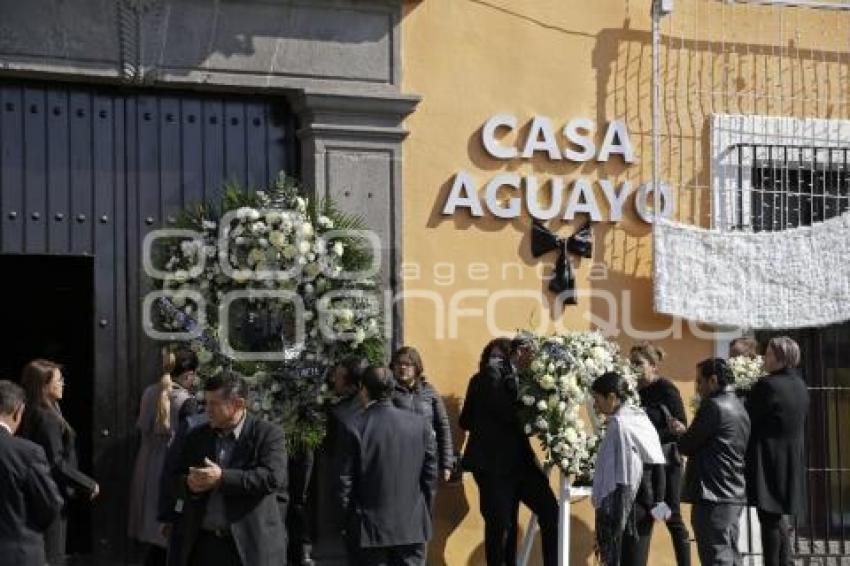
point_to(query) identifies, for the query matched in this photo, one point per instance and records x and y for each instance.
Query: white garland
(556, 386)
(788, 279)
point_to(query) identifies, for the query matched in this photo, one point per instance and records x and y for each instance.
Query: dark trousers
(675, 524)
(775, 539)
(55, 539)
(716, 530)
(210, 550)
(155, 556)
(298, 521)
(407, 555)
(499, 496)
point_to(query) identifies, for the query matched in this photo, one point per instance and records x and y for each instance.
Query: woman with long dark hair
(160, 413)
(43, 423)
(629, 477)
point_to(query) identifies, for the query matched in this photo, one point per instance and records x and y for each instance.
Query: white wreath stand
(565, 498)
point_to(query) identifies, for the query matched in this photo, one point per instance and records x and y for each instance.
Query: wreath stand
(568, 493)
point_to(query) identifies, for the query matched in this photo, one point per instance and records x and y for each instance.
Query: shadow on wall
(451, 506)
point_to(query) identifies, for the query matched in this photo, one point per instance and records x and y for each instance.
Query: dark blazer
(715, 445)
(250, 484)
(44, 426)
(29, 501)
(497, 443)
(388, 477)
(776, 457)
(424, 400)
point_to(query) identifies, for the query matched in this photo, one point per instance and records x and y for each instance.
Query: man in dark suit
(714, 479)
(230, 472)
(29, 498)
(778, 405)
(499, 455)
(387, 479)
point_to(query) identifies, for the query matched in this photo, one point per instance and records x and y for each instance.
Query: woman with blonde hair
(162, 407)
(661, 400)
(43, 423)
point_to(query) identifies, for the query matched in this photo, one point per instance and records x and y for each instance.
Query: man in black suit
(230, 472)
(388, 477)
(29, 499)
(499, 455)
(778, 405)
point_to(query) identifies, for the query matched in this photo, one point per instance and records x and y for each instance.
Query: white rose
(307, 230)
(570, 435)
(277, 238)
(360, 335)
(253, 214)
(273, 217)
(325, 222)
(339, 249)
(345, 316)
(258, 228)
(304, 247)
(546, 381)
(312, 270)
(289, 251)
(541, 405)
(300, 204)
(527, 400)
(541, 423)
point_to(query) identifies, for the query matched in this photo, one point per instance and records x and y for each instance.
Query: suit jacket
(250, 483)
(497, 443)
(716, 443)
(44, 426)
(29, 500)
(776, 457)
(388, 477)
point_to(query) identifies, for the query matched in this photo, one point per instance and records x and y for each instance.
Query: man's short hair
(379, 383)
(11, 397)
(230, 383)
(717, 367)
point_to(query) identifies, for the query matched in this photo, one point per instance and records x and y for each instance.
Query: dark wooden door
(88, 171)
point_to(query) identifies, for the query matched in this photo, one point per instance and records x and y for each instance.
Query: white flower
(309, 289)
(181, 275)
(308, 315)
(205, 356)
(258, 228)
(273, 217)
(306, 230)
(311, 270)
(570, 435)
(345, 316)
(541, 405)
(325, 222)
(311, 256)
(541, 423)
(304, 247)
(359, 335)
(209, 225)
(339, 249)
(277, 238)
(253, 214)
(546, 381)
(527, 400)
(243, 213)
(289, 251)
(300, 204)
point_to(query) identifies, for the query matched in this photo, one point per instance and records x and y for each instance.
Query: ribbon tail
(563, 283)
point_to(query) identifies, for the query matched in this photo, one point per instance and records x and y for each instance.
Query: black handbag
(670, 449)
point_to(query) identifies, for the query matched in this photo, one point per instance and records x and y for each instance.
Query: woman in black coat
(661, 400)
(43, 424)
(414, 393)
(776, 456)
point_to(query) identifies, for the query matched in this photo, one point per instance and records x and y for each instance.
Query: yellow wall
(471, 59)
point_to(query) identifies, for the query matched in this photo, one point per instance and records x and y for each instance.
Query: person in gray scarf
(629, 475)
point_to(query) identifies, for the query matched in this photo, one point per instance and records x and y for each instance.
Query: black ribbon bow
(580, 243)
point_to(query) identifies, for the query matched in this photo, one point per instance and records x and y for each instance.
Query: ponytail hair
(163, 409)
